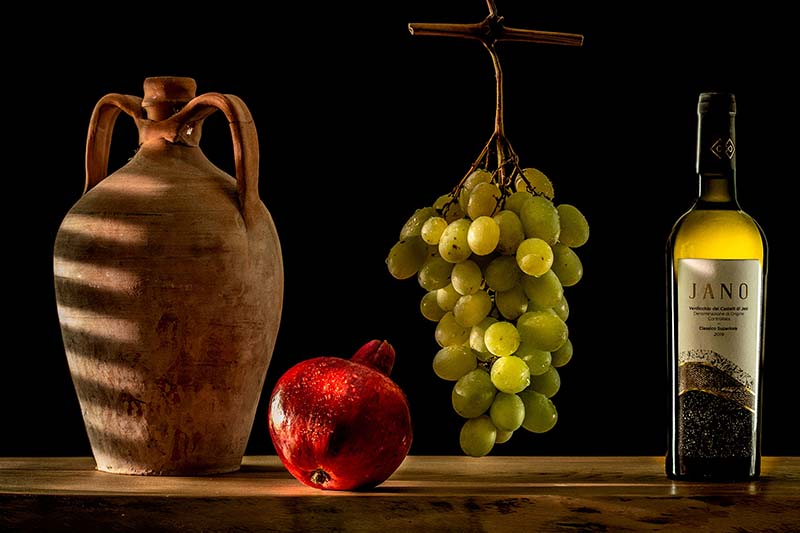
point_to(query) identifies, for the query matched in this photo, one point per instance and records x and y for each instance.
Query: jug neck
(164, 98)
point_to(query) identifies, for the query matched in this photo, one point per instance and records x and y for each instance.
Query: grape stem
(490, 31)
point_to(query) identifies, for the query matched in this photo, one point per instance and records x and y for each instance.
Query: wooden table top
(430, 493)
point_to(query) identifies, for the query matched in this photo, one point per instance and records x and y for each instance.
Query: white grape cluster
(494, 263)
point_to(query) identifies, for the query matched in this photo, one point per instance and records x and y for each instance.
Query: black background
(361, 123)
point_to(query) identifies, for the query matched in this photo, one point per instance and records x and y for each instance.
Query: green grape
(574, 227)
(477, 436)
(501, 338)
(507, 411)
(563, 355)
(540, 219)
(534, 256)
(538, 361)
(540, 183)
(470, 309)
(441, 202)
(543, 292)
(429, 307)
(432, 229)
(567, 265)
(510, 374)
(483, 200)
(511, 231)
(483, 235)
(503, 436)
(477, 176)
(406, 257)
(466, 277)
(540, 411)
(502, 273)
(463, 199)
(562, 308)
(434, 273)
(449, 332)
(473, 393)
(453, 245)
(447, 297)
(543, 330)
(449, 209)
(511, 303)
(515, 201)
(547, 383)
(414, 224)
(476, 336)
(452, 362)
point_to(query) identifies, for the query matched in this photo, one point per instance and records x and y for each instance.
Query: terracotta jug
(169, 287)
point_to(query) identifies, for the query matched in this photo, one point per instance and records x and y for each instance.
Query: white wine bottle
(716, 296)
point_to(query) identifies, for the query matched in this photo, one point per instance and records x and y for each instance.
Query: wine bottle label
(719, 334)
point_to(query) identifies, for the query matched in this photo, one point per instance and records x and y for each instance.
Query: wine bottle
(716, 296)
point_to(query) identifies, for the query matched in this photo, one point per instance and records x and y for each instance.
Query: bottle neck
(716, 158)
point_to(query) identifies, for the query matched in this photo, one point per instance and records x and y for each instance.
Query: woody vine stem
(489, 32)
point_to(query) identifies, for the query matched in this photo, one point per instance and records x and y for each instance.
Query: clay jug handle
(244, 137)
(101, 128)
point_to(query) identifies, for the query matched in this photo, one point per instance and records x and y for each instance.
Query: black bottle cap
(716, 102)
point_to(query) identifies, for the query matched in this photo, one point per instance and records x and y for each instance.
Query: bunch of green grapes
(493, 262)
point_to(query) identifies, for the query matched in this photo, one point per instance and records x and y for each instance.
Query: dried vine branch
(492, 29)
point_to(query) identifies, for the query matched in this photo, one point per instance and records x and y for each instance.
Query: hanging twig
(490, 31)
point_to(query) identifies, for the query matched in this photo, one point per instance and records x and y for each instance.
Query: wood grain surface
(427, 493)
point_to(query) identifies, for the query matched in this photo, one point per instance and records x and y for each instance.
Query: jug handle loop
(101, 129)
(243, 134)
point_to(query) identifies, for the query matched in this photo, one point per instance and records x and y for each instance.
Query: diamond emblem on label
(720, 148)
(730, 148)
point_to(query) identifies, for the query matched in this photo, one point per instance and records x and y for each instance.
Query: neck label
(723, 148)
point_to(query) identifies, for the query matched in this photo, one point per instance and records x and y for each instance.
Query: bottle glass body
(716, 294)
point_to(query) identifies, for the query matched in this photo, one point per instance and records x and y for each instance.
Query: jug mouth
(168, 93)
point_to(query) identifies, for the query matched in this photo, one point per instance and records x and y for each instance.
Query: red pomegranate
(341, 424)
